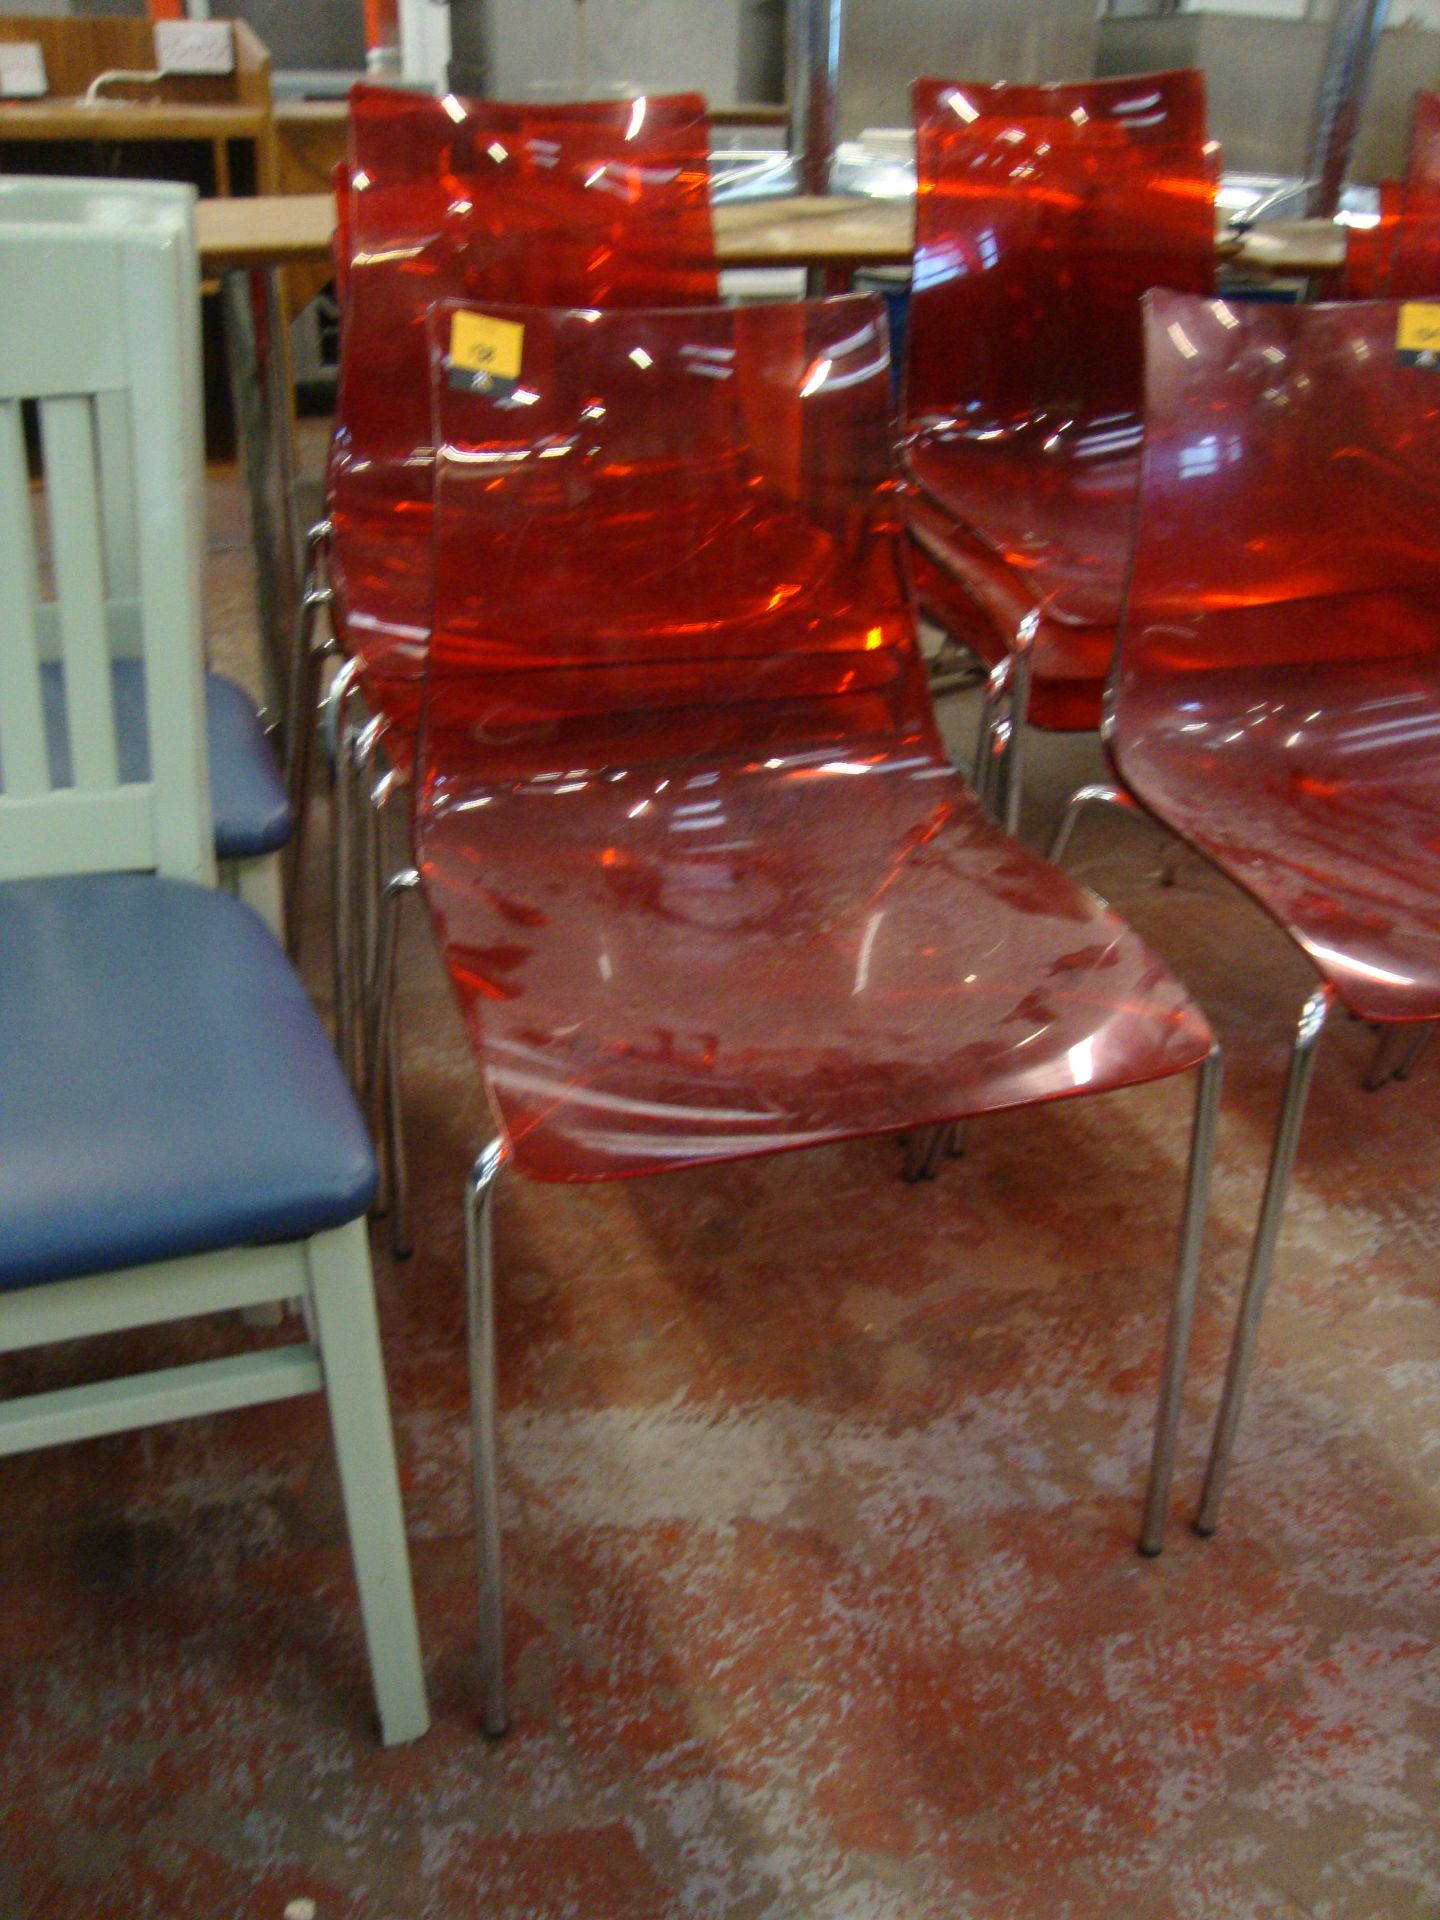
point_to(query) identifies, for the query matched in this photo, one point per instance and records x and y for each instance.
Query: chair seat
(969, 590)
(1313, 785)
(1056, 505)
(251, 809)
(165, 1085)
(1020, 531)
(683, 961)
(252, 813)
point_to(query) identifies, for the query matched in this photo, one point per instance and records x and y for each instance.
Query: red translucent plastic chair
(603, 203)
(1276, 700)
(600, 204)
(1044, 214)
(703, 877)
(1399, 257)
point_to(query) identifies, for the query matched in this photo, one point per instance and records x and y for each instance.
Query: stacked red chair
(1276, 700)
(594, 205)
(703, 876)
(1044, 214)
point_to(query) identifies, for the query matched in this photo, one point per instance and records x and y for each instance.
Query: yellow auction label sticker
(485, 353)
(1417, 336)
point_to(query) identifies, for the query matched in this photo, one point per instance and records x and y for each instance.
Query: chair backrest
(102, 558)
(670, 532)
(1292, 454)
(1044, 213)
(600, 204)
(121, 206)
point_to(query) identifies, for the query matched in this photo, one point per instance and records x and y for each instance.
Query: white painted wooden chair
(175, 1134)
(250, 806)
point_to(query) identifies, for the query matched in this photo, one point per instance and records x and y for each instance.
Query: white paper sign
(194, 46)
(22, 70)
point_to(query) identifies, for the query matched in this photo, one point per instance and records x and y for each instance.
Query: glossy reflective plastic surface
(1044, 214)
(1277, 692)
(600, 204)
(703, 877)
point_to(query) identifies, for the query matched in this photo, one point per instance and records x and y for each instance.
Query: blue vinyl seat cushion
(165, 1085)
(247, 795)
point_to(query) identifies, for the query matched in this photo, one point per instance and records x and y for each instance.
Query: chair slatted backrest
(122, 206)
(93, 351)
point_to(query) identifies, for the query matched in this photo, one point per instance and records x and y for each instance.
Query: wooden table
(295, 230)
(213, 126)
(1291, 248)
(52, 119)
(837, 232)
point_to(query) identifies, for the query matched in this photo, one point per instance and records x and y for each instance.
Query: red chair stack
(595, 205)
(1044, 215)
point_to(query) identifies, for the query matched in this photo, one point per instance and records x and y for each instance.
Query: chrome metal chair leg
(314, 594)
(383, 1093)
(366, 881)
(1396, 1052)
(335, 708)
(1383, 1061)
(1013, 765)
(923, 1152)
(342, 860)
(1413, 1052)
(1182, 1310)
(992, 738)
(307, 664)
(374, 881)
(301, 777)
(1262, 1255)
(1100, 793)
(954, 666)
(951, 679)
(480, 1300)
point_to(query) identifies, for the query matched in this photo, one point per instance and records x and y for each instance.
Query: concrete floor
(820, 1496)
